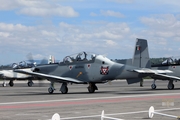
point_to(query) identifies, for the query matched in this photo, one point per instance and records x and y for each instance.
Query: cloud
(4, 34)
(110, 43)
(48, 33)
(61, 40)
(122, 1)
(14, 27)
(165, 25)
(8, 4)
(38, 8)
(64, 11)
(93, 14)
(111, 13)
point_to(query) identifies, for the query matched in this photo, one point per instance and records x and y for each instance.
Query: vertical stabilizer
(51, 59)
(141, 54)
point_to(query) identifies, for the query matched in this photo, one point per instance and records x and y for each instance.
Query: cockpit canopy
(172, 61)
(82, 56)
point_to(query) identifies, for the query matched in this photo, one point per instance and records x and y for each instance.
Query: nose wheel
(50, 90)
(30, 84)
(153, 86)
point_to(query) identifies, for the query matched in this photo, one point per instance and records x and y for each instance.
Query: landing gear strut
(170, 85)
(92, 87)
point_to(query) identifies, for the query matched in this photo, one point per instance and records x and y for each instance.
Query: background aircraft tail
(141, 54)
(51, 59)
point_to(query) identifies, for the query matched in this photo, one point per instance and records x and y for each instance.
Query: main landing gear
(92, 87)
(170, 85)
(63, 88)
(11, 83)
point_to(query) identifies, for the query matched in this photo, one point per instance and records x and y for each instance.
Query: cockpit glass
(172, 61)
(82, 56)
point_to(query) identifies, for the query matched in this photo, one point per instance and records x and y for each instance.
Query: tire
(30, 84)
(11, 83)
(50, 90)
(170, 87)
(65, 91)
(153, 86)
(91, 89)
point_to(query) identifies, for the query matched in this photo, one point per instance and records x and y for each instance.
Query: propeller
(33, 63)
(31, 60)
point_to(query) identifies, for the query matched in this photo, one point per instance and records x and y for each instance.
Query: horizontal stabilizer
(150, 71)
(165, 77)
(131, 81)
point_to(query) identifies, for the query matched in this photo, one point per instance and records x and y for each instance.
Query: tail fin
(141, 54)
(51, 59)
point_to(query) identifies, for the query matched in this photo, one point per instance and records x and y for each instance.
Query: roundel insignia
(70, 67)
(173, 66)
(88, 65)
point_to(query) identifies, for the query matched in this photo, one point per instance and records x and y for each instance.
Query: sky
(108, 27)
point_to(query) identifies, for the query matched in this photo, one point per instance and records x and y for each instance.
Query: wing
(157, 74)
(49, 77)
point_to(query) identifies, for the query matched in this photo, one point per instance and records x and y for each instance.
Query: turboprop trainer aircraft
(7, 71)
(90, 68)
(172, 64)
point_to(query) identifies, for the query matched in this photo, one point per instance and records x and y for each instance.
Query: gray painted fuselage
(97, 70)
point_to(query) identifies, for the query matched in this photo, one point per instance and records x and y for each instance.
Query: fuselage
(98, 69)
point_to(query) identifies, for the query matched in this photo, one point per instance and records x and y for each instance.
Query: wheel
(30, 84)
(170, 86)
(153, 86)
(65, 91)
(50, 90)
(11, 83)
(91, 89)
